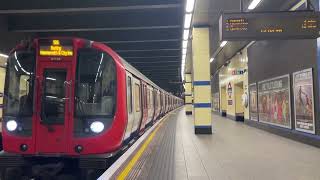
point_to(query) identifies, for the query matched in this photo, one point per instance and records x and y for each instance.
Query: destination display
(55, 47)
(265, 26)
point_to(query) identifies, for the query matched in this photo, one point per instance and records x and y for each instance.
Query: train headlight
(97, 127)
(12, 125)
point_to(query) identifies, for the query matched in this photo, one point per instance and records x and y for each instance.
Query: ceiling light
(212, 59)
(184, 51)
(185, 44)
(187, 21)
(183, 57)
(254, 4)
(4, 55)
(223, 43)
(190, 5)
(186, 34)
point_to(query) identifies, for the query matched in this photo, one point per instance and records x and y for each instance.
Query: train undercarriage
(15, 167)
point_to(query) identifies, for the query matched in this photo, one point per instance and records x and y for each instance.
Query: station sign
(269, 25)
(55, 47)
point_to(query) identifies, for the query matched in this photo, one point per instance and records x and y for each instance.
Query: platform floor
(234, 151)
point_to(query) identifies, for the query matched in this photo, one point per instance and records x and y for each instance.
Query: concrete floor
(236, 151)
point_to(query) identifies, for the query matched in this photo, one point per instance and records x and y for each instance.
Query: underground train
(72, 98)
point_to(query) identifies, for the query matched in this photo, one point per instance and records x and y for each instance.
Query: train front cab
(57, 105)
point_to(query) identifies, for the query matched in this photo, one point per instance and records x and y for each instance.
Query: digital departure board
(266, 26)
(55, 47)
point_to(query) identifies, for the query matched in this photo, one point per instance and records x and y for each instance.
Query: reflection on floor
(234, 151)
(238, 152)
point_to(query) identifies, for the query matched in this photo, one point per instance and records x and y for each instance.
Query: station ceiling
(147, 33)
(207, 13)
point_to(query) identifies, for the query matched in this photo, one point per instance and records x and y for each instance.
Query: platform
(235, 151)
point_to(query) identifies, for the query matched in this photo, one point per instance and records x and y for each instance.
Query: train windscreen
(95, 88)
(19, 85)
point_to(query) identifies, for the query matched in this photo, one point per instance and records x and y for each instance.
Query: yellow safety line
(136, 157)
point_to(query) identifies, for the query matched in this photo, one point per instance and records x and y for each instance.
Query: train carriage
(74, 98)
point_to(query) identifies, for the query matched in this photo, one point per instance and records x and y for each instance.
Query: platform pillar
(201, 80)
(188, 94)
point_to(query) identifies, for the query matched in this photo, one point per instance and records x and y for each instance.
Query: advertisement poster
(253, 103)
(274, 101)
(216, 102)
(304, 101)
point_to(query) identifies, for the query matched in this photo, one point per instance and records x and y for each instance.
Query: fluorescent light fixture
(52, 79)
(4, 55)
(186, 34)
(184, 44)
(187, 21)
(212, 59)
(223, 43)
(190, 5)
(184, 51)
(254, 4)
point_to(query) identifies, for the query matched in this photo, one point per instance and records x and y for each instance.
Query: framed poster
(253, 102)
(304, 101)
(274, 101)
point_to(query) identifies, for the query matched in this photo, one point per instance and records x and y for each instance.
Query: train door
(144, 106)
(150, 104)
(137, 108)
(55, 88)
(162, 104)
(167, 97)
(157, 105)
(130, 111)
(159, 102)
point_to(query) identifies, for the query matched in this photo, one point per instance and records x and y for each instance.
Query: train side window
(129, 103)
(137, 97)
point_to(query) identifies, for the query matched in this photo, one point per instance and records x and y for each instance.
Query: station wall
(233, 84)
(269, 59)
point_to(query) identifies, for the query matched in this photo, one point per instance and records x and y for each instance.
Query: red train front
(73, 102)
(62, 97)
